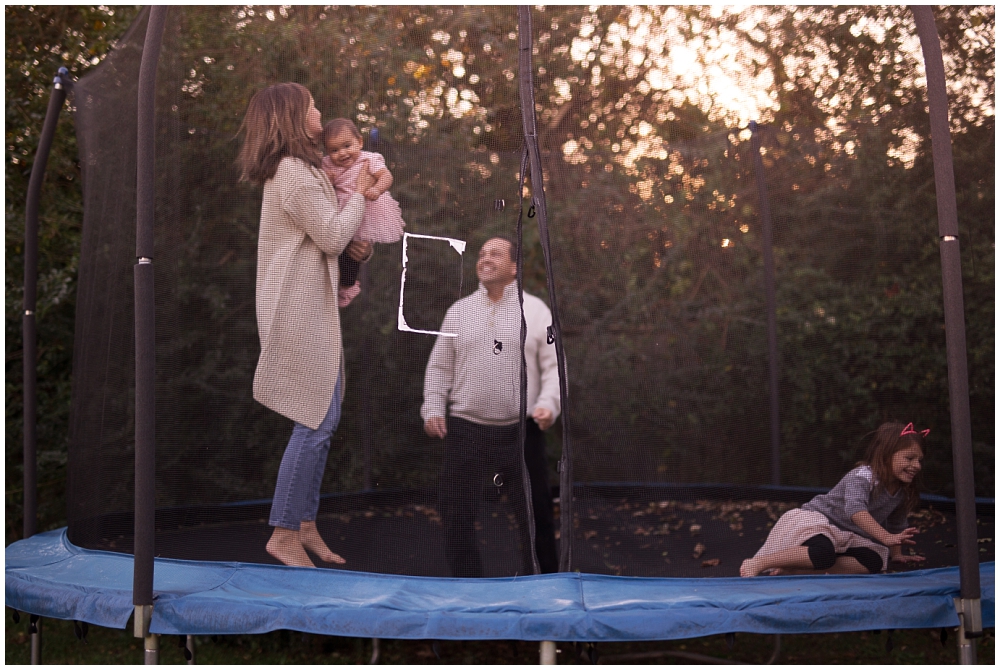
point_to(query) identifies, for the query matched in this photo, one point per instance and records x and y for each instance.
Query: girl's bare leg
(796, 558)
(286, 546)
(312, 541)
(847, 565)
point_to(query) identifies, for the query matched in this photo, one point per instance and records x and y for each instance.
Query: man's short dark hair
(509, 240)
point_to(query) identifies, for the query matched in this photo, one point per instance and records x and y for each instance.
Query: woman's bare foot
(312, 541)
(286, 546)
(750, 568)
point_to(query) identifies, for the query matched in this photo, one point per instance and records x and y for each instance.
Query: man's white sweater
(476, 375)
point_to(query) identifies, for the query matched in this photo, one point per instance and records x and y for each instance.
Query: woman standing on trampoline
(300, 370)
(860, 525)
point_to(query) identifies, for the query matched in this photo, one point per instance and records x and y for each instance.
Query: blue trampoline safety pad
(48, 576)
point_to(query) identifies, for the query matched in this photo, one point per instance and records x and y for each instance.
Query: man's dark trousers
(474, 455)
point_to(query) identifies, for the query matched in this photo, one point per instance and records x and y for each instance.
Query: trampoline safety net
(679, 195)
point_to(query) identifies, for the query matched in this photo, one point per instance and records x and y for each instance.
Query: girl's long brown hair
(275, 127)
(886, 442)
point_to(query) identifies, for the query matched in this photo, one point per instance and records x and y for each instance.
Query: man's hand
(436, 426)
(359, 250)
(543, 417)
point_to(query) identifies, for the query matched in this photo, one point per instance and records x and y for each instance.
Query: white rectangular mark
(457, 245)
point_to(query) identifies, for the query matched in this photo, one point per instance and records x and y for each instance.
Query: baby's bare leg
(286, 546)
(312, 541)
(795, 558)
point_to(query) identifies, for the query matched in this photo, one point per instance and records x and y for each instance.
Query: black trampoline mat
(615, 536)
(711, 538)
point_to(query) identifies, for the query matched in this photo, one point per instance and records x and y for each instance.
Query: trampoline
(47, 573)
(722, 320)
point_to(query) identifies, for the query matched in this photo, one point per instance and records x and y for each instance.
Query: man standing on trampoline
(472, 401)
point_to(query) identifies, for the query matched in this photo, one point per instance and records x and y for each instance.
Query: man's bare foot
(775, 572)
(312, 541)
(752, 567)
(286, 546)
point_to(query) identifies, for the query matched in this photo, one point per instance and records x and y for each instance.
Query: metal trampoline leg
(968, 629)
(375, 652)
(189, 643)
(547, 653)
(777, 651)
(151, 649)
(36, 643)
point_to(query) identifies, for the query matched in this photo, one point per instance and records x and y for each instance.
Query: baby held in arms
(383, 220)
(860, 525)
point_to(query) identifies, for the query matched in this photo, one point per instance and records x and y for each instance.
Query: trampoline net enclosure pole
(954, 317)
(145, 334)
(771, 303)
(29, 326)
(526, 83)
(523, 381)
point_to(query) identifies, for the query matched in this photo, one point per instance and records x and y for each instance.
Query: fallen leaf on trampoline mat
(699, 549)
(695, 528)
(711, 563)
(589, 534)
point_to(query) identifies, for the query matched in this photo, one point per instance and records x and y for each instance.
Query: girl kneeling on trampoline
(860, 525)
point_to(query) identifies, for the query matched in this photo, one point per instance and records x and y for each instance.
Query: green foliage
(39, 40)
(658, 251)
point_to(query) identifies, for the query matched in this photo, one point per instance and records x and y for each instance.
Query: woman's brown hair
(274, 127)
(887, 440)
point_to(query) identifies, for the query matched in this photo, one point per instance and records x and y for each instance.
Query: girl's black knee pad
(821, 552)
(866, 557)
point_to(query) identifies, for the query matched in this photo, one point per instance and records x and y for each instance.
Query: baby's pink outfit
(383, 219)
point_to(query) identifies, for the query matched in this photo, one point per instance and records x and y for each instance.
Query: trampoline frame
(968, 605)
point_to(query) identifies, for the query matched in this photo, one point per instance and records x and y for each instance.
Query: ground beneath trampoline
(615, 536)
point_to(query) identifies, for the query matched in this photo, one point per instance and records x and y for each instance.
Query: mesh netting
(655, 202)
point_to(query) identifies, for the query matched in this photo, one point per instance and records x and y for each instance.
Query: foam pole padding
(29, 335)
(526, 83)
(145, 313)
(954, 306)
(771, 302)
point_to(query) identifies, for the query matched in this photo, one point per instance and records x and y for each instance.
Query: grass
(109, 646)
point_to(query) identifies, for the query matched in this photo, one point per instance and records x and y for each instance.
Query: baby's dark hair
(336, 126)
(888, 439)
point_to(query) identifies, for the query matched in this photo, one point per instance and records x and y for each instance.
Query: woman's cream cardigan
(301, 235)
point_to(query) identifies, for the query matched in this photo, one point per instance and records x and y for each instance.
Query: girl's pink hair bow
(909, 430)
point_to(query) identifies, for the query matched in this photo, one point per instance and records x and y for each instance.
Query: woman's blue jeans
(296, 495)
